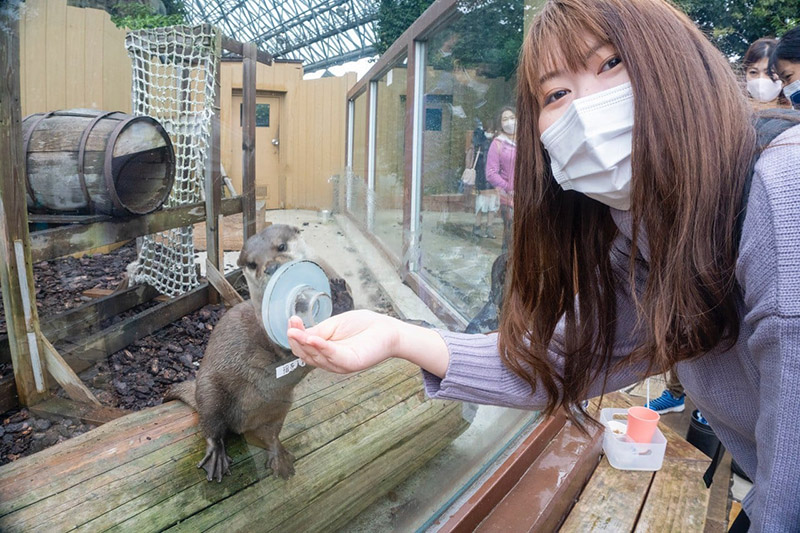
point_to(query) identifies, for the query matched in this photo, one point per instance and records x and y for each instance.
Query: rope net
(174, 74)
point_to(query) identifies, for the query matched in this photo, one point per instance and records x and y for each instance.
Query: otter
(236, 388)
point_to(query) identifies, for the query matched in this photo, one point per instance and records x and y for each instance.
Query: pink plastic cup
(642, 423)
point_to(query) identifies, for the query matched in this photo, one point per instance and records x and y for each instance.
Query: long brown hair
(692, 146)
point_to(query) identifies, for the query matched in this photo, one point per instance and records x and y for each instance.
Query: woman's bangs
(560, 40)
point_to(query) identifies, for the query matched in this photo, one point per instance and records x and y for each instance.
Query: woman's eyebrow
(554, 73)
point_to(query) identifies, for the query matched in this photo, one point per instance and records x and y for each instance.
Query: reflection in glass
(470, 76)
(389, 158)
(357, 178)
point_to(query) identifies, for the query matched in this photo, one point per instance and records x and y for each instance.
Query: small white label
(288, 367)
(389, 78)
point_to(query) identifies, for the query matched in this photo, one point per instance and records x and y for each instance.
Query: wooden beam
(249, 141)
(64, 375)
(236, 47)
(66, 219)
(494, 489)
(114, 338)
(213, 177)
(67, 240)
(87, 413)
(225, 289)
(78, 320)
(99, 345)
(16, 272)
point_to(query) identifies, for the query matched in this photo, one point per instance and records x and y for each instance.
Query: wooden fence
(72, 57)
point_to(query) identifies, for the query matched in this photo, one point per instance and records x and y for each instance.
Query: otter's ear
(296, 229)
(240, 261)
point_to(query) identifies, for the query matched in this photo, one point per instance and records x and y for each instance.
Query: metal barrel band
(25, 143)
(81, 154)
(108, 169)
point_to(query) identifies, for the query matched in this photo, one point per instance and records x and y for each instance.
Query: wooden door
(269, 181)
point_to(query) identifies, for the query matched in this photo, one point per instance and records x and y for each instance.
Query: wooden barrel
(86, 161)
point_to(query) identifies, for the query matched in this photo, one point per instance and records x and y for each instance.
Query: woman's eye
(282, 247)
(555, 95)
(611, 63)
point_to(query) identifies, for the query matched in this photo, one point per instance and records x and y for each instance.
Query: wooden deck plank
(271, 501)
(610, 502)
(678, 498)
(147, 480)
(46, 474)
(295, 435)
(382, 474)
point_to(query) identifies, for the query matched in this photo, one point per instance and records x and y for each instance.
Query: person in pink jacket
(500, 167)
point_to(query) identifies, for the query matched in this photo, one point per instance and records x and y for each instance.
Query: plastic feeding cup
(622, 451)
(642, 424)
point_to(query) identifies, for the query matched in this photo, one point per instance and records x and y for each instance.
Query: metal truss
(321, 33)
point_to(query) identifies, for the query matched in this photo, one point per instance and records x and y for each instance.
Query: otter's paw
(281, 463)
(216, 462)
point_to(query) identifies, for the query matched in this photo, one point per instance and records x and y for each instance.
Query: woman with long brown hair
(644, 239)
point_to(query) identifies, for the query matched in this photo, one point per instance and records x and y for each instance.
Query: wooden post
(249, 139)
(16, 271)
(213, 179)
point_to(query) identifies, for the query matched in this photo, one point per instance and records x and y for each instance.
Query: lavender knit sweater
(750, 394)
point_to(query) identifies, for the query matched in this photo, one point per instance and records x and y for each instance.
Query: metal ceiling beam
(320, 32)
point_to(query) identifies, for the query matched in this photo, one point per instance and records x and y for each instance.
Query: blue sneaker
(667, 403)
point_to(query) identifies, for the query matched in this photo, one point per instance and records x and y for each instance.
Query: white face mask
(763, 89)
(792, 93)
(590, 146)
(510, 126)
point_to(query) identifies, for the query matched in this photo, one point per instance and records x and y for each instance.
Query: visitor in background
(785, 62)
(500, 167)
(487, 201)
(763, 86)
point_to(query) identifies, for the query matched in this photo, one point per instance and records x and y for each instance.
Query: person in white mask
(655, 226)
(785, 62)
(763, 86)
(500, 167)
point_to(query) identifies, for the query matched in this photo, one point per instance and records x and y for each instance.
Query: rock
(51, 436)
(16, 427)
(120, 386)
(41, 424)
(101, 381)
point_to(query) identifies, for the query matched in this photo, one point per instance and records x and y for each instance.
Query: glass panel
(469, 79)
(357, 186)
(390, 158)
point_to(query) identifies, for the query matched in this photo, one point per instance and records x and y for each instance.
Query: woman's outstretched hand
(358, 340)
(345, 343)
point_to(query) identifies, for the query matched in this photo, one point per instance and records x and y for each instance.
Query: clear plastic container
(622, 452)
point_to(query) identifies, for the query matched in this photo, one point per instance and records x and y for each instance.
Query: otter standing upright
(236, 387)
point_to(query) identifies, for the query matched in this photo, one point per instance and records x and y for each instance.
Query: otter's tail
(184, 392)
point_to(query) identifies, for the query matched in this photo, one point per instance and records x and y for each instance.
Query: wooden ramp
(354, 437)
